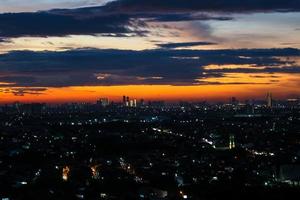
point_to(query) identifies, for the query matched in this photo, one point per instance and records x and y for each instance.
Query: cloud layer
(185, 44)
(95, 67)
(205, 5)
(127, 16)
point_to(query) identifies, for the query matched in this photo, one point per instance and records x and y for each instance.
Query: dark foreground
(139, 153)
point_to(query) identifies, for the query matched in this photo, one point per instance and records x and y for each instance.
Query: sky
(80, 50)
(13, 6)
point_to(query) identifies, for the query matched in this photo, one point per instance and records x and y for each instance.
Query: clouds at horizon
(96, 67)
(185, 44)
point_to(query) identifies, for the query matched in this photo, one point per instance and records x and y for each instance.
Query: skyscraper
(124, 100)
(234, 101)
(231, 142)
(103, 102)
(269, 100)
(131, 103)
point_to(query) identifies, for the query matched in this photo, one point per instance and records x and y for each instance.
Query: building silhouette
(269, 100)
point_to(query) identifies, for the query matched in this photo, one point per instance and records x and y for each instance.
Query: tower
(231, 142)
(234, 101)
(126, 101)
(131, 103)
(269, 100)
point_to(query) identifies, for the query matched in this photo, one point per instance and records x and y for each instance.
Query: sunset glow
(190, 54)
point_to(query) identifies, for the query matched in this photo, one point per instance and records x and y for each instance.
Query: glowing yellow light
(94, 170)
(65, 174)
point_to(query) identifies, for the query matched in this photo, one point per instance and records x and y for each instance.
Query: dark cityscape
(135, 149)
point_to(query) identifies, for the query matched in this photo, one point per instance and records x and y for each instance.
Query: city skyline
(128, 100)
(268, 101)
(59, 51)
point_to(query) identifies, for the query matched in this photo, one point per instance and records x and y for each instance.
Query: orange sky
(282, 86)
(169, 93)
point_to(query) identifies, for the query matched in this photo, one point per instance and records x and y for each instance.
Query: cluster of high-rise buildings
(103, 102)
(126, 102)
(269, 101)
(129, 102)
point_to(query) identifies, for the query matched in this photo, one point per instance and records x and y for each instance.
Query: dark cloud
(264, 76)
(88, 21)
(23, 91)
(231, 83)
(48, 24)
(185, 44)
(204, 5)
(124, 17)
(273, 69)
(184, 16)
(26, 80)
(289, 43)
(95, 67)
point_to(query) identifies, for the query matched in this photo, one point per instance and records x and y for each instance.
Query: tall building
(142, 102)
(234, 101)
(231, 142)
(126, 101)
(269, 100)
(103, 102)
(131, 103)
